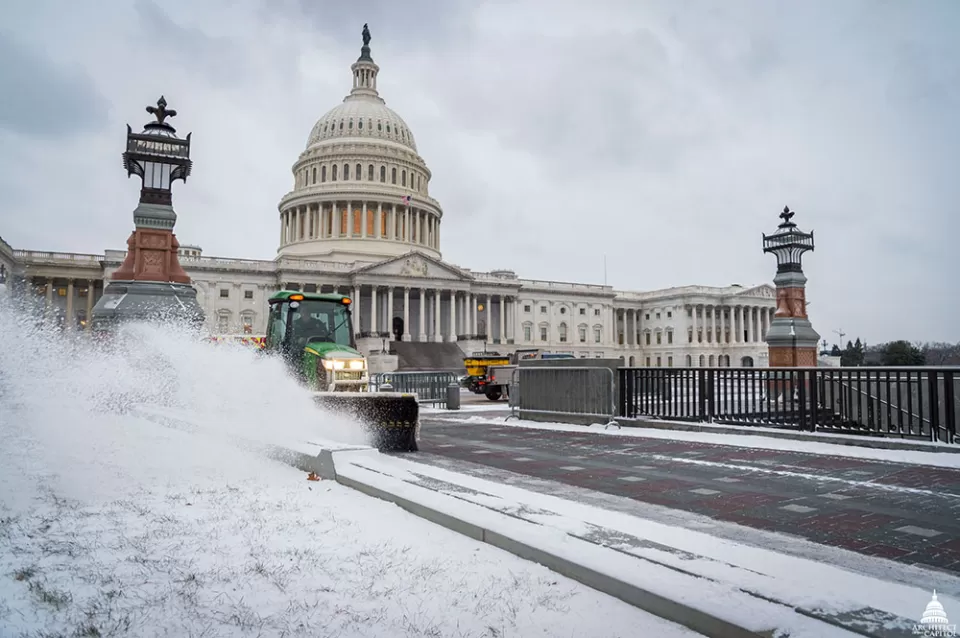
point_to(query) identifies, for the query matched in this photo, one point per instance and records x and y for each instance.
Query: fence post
(934, 397)
(950, 406)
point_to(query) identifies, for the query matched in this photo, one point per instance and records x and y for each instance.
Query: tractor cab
(313, 332)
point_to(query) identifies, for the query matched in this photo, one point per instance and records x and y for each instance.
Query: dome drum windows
(346, 172)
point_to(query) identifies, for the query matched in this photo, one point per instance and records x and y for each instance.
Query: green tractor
(313, 334)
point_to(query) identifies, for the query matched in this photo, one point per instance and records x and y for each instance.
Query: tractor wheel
(494, 393)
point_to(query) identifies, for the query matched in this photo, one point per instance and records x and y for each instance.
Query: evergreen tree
(902, 353)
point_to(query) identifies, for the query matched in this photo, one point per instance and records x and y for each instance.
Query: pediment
(414, 265)
(763, 291)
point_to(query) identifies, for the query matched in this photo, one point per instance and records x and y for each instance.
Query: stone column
(68, 323)
(473, 313)
(423, 314)
(48, 298)
(502, 327)
(454, 300)
(390, 311)
(696, 325)
(437, 332)
(406, 314)
(374, 289)
(363, 219)
(91, 291)
(489, 319)
(357, 321)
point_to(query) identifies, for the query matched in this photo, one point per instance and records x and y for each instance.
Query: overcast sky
(666, 136)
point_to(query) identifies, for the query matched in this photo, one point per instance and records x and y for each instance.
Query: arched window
(346, 172)
(333, 174)
(563, 332)
(393, 175)
(323, 173)
(703, 361)
(403, 178)
(418, 182)
(689, 361)
(314, 174)
(370, 173)
(383, 174)
(359, 172)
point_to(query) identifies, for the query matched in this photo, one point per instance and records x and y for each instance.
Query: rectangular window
(543, 334)
(647, 338)
(583, 334)
(596, 335)
(659, 338)
(669, 362)
(658, 362)
(248, 294)
(596, 312)
(223, 324)
(543, 308)
(647, 363)
(526, 308)
(224, 293)
(669, 337)
(583, 311)
(527, 334)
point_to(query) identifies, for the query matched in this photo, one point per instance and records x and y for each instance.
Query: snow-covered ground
(111, 525)
(918, 457)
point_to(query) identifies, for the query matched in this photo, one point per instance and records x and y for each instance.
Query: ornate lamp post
(150, 283)
(791, 339)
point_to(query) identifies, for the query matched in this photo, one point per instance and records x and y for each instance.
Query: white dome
(362, 117)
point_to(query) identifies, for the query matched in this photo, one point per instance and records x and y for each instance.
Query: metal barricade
(564, 391)
(429, 386)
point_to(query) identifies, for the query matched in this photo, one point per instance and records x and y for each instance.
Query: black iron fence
(914, 402)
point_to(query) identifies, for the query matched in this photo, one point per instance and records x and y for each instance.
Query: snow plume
(76, 402)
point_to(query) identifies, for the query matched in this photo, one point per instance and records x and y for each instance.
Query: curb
(324, 464)
(835, 439)
(643, 599)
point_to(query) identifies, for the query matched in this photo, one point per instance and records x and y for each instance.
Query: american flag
(406, 199)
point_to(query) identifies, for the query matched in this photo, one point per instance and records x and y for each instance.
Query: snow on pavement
(112, 525)
(916, 457)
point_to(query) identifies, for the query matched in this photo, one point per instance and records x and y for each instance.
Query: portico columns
(69, 319)
(489, 319)
(453, 316)
(390, 311)
(406, 314)
(437, 320)
(502, 327)
(91, 290)
(423, 314)
(356, 319)
(373, 308)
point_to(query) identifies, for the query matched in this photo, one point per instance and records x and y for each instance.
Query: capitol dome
(934, 615)
(361, 190)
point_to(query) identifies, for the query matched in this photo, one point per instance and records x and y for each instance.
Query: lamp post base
(146, 301)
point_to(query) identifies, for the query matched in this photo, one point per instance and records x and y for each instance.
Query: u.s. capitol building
(360, 220)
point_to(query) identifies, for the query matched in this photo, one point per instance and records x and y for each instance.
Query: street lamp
(157, 156)
(150, 284)
(791, 339)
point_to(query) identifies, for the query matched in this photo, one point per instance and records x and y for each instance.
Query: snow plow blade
(391, 418)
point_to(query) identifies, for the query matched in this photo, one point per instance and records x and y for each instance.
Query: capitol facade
(360, 220)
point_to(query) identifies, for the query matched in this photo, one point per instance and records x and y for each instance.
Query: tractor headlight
(358, 364)
(333, 364)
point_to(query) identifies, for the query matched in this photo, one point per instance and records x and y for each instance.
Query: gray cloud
(43, 98)
(665, 136)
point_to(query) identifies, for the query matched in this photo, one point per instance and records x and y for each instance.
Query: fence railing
(430, 387)
(580, 392)
(914, 402)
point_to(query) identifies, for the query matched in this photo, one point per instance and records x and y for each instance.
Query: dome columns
(356, 220)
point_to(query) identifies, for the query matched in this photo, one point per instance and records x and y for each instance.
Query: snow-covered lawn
(917, 457)
(112, 525)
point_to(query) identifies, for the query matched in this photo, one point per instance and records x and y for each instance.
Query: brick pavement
(907, 513)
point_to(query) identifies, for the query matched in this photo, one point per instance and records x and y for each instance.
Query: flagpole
(604, 270)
